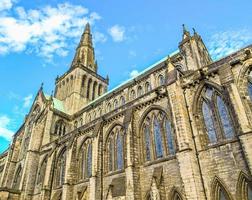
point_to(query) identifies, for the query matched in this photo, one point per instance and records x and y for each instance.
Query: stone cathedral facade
(180, 130)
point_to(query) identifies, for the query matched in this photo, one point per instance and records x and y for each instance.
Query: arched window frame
(147, 124)
(147, 87)
(116, 104)
(132, 94)
(208, 96)
(161, 80)
(60, 170)
(17, 177)
(42, 171)
(122, 100)
(111, 148)
(60, 127)
(244, 184)
(139, 91)
(85, 159)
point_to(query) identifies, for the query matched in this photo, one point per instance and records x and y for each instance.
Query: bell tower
(81, 84)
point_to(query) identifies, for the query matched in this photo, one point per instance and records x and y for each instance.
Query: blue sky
(38, 40)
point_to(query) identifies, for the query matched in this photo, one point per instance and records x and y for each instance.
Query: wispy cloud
(4, 130)
(27, 101)
(134, 73)
(132, 53)
(227, 42)
(47, 32)
(99, 37)
(117, 33)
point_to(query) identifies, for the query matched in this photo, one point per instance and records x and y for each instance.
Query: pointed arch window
(161, 80)
(250, 85)
(60, 168)
(42, 171)
(244, 187)
(219, 192)
(147, 87)
(89, 88)
(139, 91)
(216, 116)
(115, 104)
(85, 163)
(115, 149)
(132, 94)
(17, 177)
(119, 150)
(158, 135)
(89, 161)
(122, 100)
(60, 128)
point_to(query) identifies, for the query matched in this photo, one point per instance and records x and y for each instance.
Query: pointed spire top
(41, 86)
(87, 28)
(186, 33)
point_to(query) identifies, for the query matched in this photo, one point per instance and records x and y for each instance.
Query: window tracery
(42, 171)
(85, 164)
(115, 149)
(216, 116)
(60, 128)
(158, 135)
(60, 168)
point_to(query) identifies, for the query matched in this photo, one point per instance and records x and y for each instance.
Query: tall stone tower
(81, 84)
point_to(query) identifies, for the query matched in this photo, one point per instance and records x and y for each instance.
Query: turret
(194, 50)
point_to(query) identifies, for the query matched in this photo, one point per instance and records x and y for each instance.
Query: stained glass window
(111, 154)
(158, 138)
(250, 90)
(147, 142)
(83, 164)
(119, 144)
(249, 192)
(169, 137)
(61, 168)
(208, 118)
(250, 85)
(225, 118)
(89, 161)
(223, 195)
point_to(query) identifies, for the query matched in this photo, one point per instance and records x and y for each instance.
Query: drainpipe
(194, 142)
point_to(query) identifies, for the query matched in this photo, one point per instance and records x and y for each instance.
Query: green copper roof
(57, 104)
(139, 74)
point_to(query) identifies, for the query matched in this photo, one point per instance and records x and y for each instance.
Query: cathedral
(180, 130)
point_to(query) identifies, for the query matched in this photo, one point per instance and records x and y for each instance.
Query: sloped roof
(57, 104)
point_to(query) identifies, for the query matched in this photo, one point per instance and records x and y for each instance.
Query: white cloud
(4, 131)
(6, 5)
(227, 42)
(99, 37)
(117, 33)
(48, 31)
(134, 73)
(27, 101)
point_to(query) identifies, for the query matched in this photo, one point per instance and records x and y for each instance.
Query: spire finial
(87, 28)
(41, 86)
(186, 33)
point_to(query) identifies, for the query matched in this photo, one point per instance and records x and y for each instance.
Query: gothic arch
(157, 134)
(242, 84)
(85, 159)
(114, 147)
(42, 170)
(175, 194)
(60, 167)
(244, 187)
(17, 177)
(213, 114)
(197, 95)
(219, 189)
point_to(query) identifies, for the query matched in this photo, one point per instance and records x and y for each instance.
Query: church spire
(85, 52)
